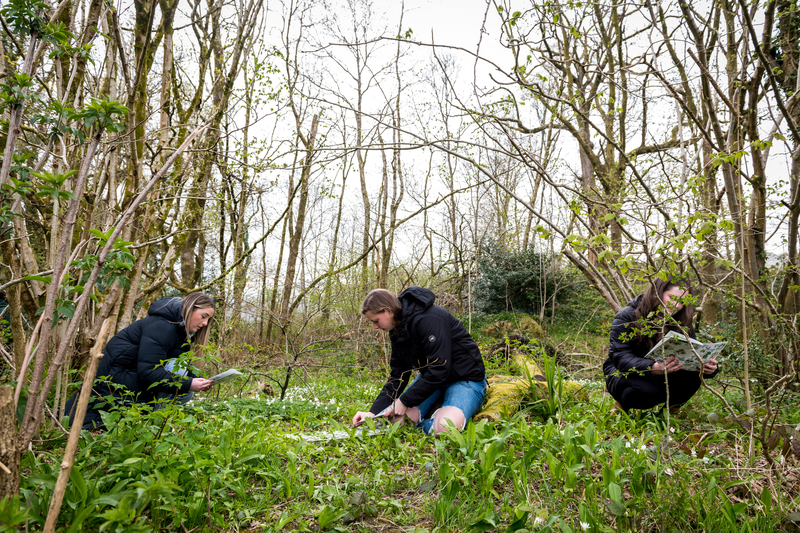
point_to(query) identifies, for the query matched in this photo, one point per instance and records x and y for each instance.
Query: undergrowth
(243, 464)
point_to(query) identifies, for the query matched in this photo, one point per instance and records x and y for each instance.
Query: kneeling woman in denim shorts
(427, 338)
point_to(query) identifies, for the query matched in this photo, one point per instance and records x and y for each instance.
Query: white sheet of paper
(228, 375)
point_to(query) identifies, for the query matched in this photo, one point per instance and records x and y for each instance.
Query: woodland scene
(537, 165)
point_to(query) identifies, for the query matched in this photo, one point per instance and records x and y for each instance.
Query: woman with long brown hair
(139, 362)
(635, 381)
(428, 339)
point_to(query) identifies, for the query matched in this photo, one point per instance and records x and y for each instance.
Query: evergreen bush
(522, 280)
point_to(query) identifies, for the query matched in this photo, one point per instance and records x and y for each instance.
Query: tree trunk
(297, 233)
(9, 444)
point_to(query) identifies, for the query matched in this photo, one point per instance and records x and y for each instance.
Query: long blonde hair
(197, 300)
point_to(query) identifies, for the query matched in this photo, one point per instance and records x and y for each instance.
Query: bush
(521, 280)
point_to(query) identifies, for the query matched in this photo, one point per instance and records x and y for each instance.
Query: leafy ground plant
(237, 465)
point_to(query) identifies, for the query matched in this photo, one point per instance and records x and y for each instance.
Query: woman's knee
(413, 414)
(453, 414)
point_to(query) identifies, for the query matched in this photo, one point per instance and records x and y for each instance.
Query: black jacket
(624, 353)
(433, 341)
(134, 360)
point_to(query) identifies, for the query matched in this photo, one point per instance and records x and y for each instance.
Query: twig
(75, 431)
(20, 280)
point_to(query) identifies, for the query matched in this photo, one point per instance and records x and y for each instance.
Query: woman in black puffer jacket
(636, 382)
(138, 363)
(427, 338)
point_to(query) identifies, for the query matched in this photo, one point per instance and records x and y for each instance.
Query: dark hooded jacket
(133, 360)
(433, 341)
(625, 355)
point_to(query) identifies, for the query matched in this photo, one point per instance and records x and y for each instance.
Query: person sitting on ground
(427, 338)
(636, 382)
(139, 362)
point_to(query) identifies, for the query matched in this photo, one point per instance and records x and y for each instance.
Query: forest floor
(255, 463)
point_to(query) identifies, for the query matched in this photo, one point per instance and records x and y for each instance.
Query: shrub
(523, 280)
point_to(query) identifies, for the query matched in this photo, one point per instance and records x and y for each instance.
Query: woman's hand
(670, 365)
(399, 408)
(200, 384)
(710, 367)
(360, 417)
(398, 413)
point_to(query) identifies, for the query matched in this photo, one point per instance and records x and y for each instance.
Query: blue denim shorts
(465, 395)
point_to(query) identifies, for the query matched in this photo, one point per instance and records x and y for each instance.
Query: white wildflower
(694, 453)
(538, 521)
(668, 471)
(585, 526)
(644, 448)
(627, 444)
(706, 459)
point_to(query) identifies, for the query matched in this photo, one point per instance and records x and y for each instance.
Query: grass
(230, 464)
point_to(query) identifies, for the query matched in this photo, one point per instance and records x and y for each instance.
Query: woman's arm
(433, 332)
(621, 349)
(154, 348)
(395, 385)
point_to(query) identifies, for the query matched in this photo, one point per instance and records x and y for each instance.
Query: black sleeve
(621, 350)
(436, 338)
(395, 385)
(153, 353)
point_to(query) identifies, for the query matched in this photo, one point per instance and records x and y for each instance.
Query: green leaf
(519, 523)
(616, 508)
(43, 279)
(615, 492)
(99, 234)
(766, 500)
(78, 483)
(108, 499)
(488, 521)
(329, 515)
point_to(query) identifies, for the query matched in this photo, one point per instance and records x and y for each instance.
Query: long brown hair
(650, 324)
(197, 300)
(378, 300)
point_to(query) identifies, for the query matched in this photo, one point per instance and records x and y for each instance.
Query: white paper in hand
(228, 375)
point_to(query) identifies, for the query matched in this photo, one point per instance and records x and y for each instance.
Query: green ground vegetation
(238, 462)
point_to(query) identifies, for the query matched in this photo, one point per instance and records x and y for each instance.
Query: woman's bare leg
(453, 414)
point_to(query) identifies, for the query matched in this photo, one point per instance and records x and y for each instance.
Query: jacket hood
(169, 308)
(636, 301)
(415, 300)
